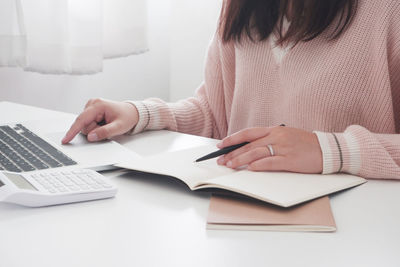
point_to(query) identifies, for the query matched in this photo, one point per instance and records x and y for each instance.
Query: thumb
(106, 131)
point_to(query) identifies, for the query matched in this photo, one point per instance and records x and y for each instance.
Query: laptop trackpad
(93, 153)
(79, 141)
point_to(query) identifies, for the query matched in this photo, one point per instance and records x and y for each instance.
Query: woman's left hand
(294, 150)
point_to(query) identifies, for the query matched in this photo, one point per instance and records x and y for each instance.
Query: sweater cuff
(144, 117)
(340, 152)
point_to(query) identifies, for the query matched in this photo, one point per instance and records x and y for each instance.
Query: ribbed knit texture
(349, 86)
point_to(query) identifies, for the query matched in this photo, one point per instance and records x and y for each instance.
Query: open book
(280, 188)
(228, 213)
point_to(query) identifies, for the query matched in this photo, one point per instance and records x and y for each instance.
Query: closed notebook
(230, 213)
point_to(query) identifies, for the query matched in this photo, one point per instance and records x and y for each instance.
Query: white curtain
(70, 36)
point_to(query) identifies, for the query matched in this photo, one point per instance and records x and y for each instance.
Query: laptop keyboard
(21, 151)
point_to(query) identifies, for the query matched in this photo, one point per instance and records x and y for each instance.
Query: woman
(329, 70)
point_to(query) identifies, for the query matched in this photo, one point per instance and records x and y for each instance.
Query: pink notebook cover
(230, 213)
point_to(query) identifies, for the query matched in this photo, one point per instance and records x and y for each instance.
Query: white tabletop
(156, 221)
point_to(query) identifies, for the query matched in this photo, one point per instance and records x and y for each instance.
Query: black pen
(224, 150)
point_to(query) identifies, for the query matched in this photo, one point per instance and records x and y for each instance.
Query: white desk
(159, 222)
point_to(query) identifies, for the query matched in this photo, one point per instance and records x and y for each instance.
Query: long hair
(308, 19)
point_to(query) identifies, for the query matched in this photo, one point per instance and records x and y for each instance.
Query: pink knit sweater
(349, 86)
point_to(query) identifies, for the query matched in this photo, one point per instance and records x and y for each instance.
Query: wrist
(142, 117)
(319, 153)
(340, 152)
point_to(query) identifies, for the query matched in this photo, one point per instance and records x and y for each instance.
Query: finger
(227, 157)
(84, 119)
(93, 125)
(262, 142)
(246, 135)
(99, 121)
(248, 157)
(275, 163)
(89, 103)
(104, 132)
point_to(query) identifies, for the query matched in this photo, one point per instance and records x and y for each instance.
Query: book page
(283, 188)
(279, 188)
(181, 164)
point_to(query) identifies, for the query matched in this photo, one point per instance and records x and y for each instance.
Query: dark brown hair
(308, 18)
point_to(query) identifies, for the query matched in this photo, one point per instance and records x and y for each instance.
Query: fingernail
(219, 144)
(220, 160)
(92, 137)
(229, 164)
(64, 140)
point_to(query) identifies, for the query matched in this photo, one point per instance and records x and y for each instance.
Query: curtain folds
(70, 36)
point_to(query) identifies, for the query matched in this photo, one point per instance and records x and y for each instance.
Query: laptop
(24, 148)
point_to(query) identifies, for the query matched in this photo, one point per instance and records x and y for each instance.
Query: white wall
(193, 24)
(179, 32)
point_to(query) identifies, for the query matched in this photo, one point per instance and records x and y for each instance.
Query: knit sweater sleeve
(358, 151)
(202, 114)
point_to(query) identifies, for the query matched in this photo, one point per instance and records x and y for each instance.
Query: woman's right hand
(103, 119)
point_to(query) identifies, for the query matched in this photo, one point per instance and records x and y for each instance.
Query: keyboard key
(84, 187)
(38, 153)
(16, 150)
(95, 186)
(99, 180)
(73, 188)
(46, 185)
(79, 172)
(67, 181)
(7, 164)
(61, 157)
(14, 157)
(77, 181)
(62, 189)
(56, 183)
(27, 151)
